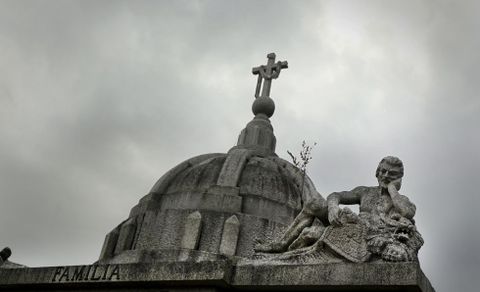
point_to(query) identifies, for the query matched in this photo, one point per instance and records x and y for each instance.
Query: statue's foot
(271, 247)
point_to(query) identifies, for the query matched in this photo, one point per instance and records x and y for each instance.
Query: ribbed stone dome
(267, 188)
(214, 205)
(261, 193)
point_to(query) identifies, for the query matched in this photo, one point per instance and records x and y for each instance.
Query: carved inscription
(86, 273)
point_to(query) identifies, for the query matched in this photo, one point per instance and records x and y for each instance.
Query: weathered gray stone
(384, 228)
(202, 201)
(164, 230)
(231, 228)
(263, 104)
(144, 236)
(219, 274)
(266, 197)
(161, 185)
(258, 136)
(342, 276)
(267, 73)
(109, 244)
(191, 233)
(164, 255)
(233, 167)
(125, 236)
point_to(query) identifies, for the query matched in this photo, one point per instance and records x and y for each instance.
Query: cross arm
(256, 70)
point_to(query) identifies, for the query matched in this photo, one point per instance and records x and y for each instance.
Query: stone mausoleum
(249, 220)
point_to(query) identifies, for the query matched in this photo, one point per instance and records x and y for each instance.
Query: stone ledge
(339, 276)
(221, 275)
(216, 273)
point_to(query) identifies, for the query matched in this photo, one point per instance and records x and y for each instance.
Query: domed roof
(215, 204)
(269, 187)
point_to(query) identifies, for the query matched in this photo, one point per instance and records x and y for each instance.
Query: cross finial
(267, 73)
(258, 134)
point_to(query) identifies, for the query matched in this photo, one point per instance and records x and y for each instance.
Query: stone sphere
(263, 105)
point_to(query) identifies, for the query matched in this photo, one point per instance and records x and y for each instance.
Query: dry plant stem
(305, 157)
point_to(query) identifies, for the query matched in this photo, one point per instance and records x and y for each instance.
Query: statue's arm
(401, 203)
(345, 198)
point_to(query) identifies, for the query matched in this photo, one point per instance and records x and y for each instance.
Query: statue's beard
(383, 182)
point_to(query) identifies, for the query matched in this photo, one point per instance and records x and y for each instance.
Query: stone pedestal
(220, 275)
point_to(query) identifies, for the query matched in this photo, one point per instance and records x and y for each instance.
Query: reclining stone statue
(383, 229)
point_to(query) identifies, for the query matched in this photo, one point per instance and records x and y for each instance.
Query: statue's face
(388, 173)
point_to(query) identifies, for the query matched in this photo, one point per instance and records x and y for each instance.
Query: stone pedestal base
(222, 275)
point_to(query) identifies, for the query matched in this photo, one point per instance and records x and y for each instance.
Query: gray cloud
(99, 99)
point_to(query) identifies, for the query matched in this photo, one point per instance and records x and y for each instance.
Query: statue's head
(388, 170)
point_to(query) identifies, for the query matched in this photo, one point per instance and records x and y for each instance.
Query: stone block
(126, 235)
(231, 228)
(265, 208)
(233, 167)
(381, 276)
(191, 235)
(202, 201)
(109, 244)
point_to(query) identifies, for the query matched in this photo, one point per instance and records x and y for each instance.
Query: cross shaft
(267, 73)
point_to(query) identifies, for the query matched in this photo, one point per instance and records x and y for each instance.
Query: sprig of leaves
(302, 162)
(305, 156)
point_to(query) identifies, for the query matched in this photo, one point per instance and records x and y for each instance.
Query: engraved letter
(58, 271)
(115, 272)
(65, 274)
(93, 274)
(104, 277)
(78, 273)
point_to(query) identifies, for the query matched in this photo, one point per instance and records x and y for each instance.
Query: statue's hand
(394, 186)
(334, 216)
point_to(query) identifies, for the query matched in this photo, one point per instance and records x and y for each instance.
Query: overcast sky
(99, 98)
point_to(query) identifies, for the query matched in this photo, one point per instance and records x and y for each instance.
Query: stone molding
(221, 275)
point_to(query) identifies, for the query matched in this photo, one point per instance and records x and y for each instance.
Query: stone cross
(267, 73)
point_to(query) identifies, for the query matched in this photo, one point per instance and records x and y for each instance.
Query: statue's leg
(315, 208)
(304, 219)
(309, 236)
